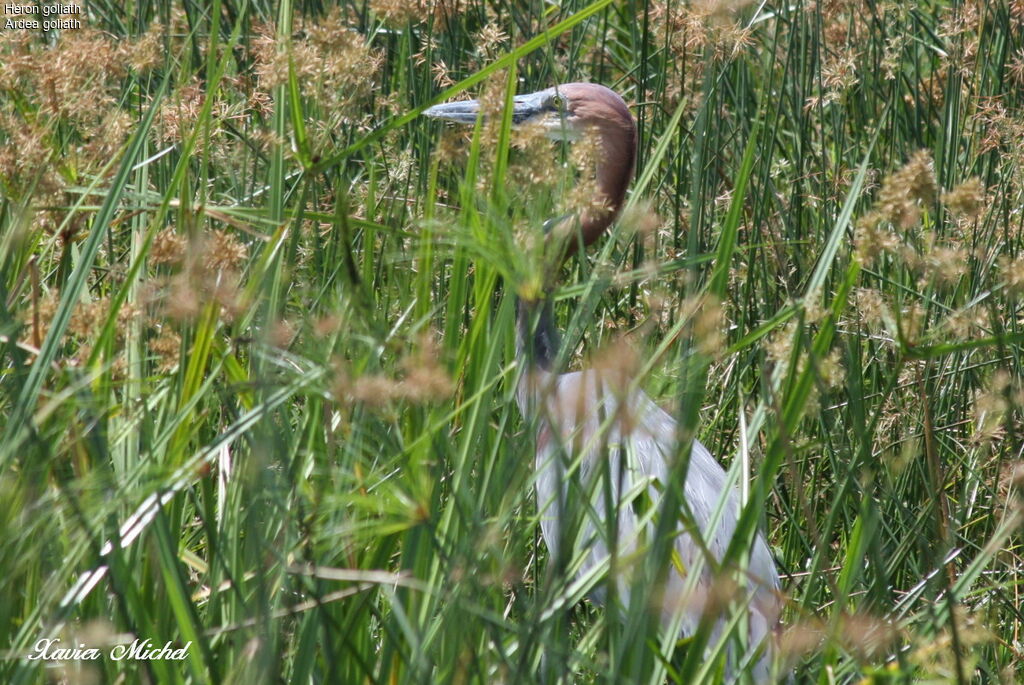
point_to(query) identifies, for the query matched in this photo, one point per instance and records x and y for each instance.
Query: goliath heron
(579, 415)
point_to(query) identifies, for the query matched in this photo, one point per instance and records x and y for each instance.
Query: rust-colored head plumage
(567, 112)
(592, 106)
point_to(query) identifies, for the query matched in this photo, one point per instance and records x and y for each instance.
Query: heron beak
(463, 112)
(524, 108)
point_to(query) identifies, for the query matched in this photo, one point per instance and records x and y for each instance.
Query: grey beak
(466, 111)
(463, 112)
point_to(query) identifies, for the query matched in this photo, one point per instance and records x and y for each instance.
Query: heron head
(564, 111)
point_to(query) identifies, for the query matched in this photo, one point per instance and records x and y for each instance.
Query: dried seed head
(270, 57)
(831, 369)
(937, 654)
(989, 407)
(873, 239)
(617, 365)
(1012, 271)
(947, 264)
(182, 302)
(224, 251)
(374, 390)
(967, 199)
(839, 72)
(814, 312)
(641, 218)
(452, 146)
(801, 638)
(398, 13)
(966, 323)
(225, 289)
(709, 326)
(709, 322)
(168, 247)
(38, 322)
(25, 160)
(178, 115)
(341, 381)
(1011, 479)
(721, 592)
(534, 171)
(903, 190)
(282, 333)
(1015, 68)
(441, 74)
(490, 38)
(426, 379)
(867, 635)
(88, 318)
(332, 62)
(167, 348)
(326, 325)
(779, 347)
(912, 320)
(147, 53)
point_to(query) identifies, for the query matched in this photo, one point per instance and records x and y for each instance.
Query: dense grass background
(257, 331)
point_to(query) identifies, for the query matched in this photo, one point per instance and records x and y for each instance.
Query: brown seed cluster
(1010, 487)
(838, 75)
(535, 166)
(72, 83)
(938, 256)
(867, 637)
(903, 193)
(335, 68)
(1012, 271)
(179, 114)
(205, 269)
(168, 247)
(899, 204)
(177, 295)
(147, 52)
(399, 13)
(224, 251)
(990, 405)
(955, 649)
(616, 368)
(190, 274)
(88, 318)
(966, 199)
(166, 347)
(693, 31)
(424, 380)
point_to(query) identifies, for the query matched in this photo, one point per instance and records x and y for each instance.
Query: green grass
(290, 435)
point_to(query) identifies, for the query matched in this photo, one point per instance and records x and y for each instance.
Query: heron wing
(584, 423)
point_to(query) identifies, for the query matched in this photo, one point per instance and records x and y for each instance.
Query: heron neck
(537, 341)
(614, 171)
